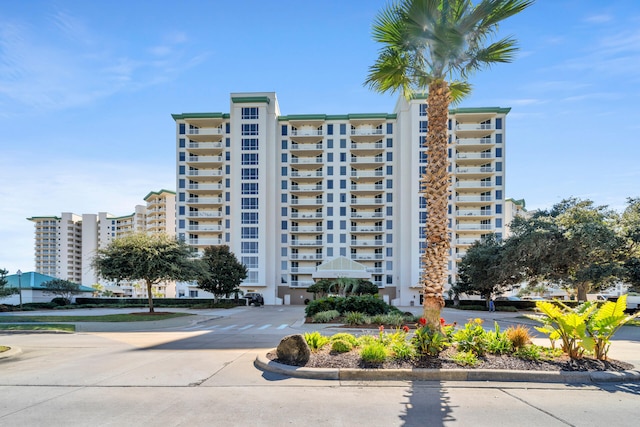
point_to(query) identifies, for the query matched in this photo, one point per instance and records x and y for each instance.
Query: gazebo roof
(341, 267)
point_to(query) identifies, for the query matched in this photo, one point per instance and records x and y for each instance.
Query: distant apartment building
(66, 244)
(295, 196)
(513, 208)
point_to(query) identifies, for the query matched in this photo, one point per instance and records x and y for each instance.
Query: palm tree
(435, 45)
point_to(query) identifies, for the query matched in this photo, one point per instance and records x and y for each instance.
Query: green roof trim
(157, 193)
(498, 110)
(250, 99)
(200, 116)
(360, 116)
(519, 202)
(44, 217)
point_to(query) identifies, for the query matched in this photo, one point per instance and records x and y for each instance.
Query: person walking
(492, 305)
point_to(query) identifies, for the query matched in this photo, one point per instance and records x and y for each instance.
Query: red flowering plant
(429, 341)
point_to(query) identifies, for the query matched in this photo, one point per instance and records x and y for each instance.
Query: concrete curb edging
(13, 351)
(264, 364)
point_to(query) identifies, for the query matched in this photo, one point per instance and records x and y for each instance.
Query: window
(498, 123)
(249, 143)
(284, 130)
(343, 129)
(252, 277)
(250, 173)
(498, 166)
(423, 126)
(283, 185)
(343, 143)
(498, 222)
(498, 180)
(389, 183)
(249, 203)
(329, 225)
(329, 129)
(389, 156)
(249, 217)
(389, 142)
(498, 195)
(249, 261)
(498, 138)
(249, 232)
(329, 157)
(498, 209)
(250, 129)
(193, 294)
(329, 143)
(181, 128)
(284, 144)
(423, 110)
(343, 157)
(389, 127)
(329, 198)
(252, 158)
(249, 247)
(249, 188)
(249, 113)
(498, 152)
(182, 142)
(181, 183)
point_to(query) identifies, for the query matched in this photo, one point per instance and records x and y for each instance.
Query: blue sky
(87, 90)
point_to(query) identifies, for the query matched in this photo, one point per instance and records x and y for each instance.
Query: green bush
(426, 341)
(325, 316)
(367, 304)
(58, 301)
(373, 352)
(315, 340)
(402, 350)
(355, 318)
(341, 346)
(472, 338)
(465, 358)
(343, 336)
(321, 304)
(528, 352)
(498, 342)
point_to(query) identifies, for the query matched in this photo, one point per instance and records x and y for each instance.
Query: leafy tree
(483, 271)
(320, 288)
(223, 273)
(435, 45)
(630, 230)
(151, 258)
(365, 287)
(575, 244)
(62, 288)
(5, 291)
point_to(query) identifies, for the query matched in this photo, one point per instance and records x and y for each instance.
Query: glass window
(329, 157)
(182, 143)
(330, 184)
(389, 156)
(249, 261)
(283, 198)
(498, 222)
(498, 195)
(329, 252)
(227, 128)
(329, 238)
(181, 183)
(343, 238)
(343, 171)
(252, 158)
(249, 232)
(389, 127)
(329, 143)
(343, 129)
(283, 158)
(249, 143)
(498, 138)
(389, 197)
(389, 183)
(498, 152)
(329, 225)
(330, 170)
(250, 173)
(181, 128)
(423, 110)
(389, 170)
(249, 188)
(498, 166)
(498, 209)
(330, 198)
(389, 143)
(284, 130)
(250, 129)
(329, 129)
(389, 211)
(498, 180)
(249, 217)
(249, 247)
(181, 210)
(329, 211)
(249, 113)
(283, 185)
(284, 144)
(389, 225)
(249, 203)
(423, 126)
(343, 157)
(498, 123)
(343, 143)
(343, 184)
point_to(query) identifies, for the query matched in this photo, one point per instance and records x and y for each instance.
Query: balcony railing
(366, 187)
(309, 257)
(303, 229)
(198, 186)
(306, 174)
(356, 159)
(377, 242)
(214, 228)
(364, 132)
(206, 145)
(365, 229)
(367, 256)
(473, 141)
(318, 146)
(298, 242)
(474, 212)
(474, 156)
(483, 169)
(367, 215)
(473, 184)
(304, 215)
(366, 201)
(301, 283)
(474, 227)
(204, 214)
(366, 145)
(205, 131)
(306, 160)
(200, 172)
(316, 187)
(307, 132)
(306, 202)
(302, 270)
(474, 126)
(365, 174)
(205, 200)
(205, 159)
(204, 242)
(474, 198)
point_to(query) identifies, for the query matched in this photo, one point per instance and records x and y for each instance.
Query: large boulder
(293, 350)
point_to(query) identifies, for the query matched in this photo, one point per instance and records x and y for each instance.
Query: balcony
(474, 126)
(302, 270)
(375, 270)
(204, 172)
(377, 146)
(473, 227)
(204, 214)
(307, 229)
(305, 188)
(205, 134)
(306, 215)
(367, 187)
(366, 229)
(475, 143)
(376, 242)
(367, 201)
(298, 242)
(306, 160)
(474, 172)
(367, 174)
(206, 228)
(465, 242)
(205, 147)
(367, 160)
(473, 212)
(205, 201)
(307, 132)
(367, 256)
(473, 199)
(204, 242)
(473, 184)
(306, 202)
(301, 283)
(204, 161)
(474, 156)
(197, 187)
(309, 257)
(306, 174)
(307, 147)
(367, 215)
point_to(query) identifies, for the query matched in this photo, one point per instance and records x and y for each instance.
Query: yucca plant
(605, 322)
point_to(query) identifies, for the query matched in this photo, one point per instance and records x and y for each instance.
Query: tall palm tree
(435, 45)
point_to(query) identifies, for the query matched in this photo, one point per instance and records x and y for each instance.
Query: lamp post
(19, 273)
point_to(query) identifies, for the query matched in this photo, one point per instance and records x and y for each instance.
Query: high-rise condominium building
(65, 245)
(300, 197)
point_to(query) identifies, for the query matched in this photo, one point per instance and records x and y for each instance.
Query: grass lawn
(4, 348)
(125, 317)
(37, 327)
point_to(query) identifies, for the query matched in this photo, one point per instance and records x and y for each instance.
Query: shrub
(472, 307)
(472, 338)
(322, 304)
(341, 346)
(363, 340)
(498, 342)
(519, 336)
(315, 340)
(355, 318)
(59, 301)
(373, 352)
(427, 341)
(343, 336)
(378, 319)
(367, 304)
(528, 352)
(465, 358)
(394, 319)
(325, 316)
(402, 350)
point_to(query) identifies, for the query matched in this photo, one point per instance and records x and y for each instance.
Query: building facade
(289, 193)
(65, 245)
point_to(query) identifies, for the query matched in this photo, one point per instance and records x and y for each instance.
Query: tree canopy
(222, 273)
(152, 258)
(62, 288)
(5, 291)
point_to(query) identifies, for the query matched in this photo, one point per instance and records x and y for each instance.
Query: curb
(350, 374)
(12, 352)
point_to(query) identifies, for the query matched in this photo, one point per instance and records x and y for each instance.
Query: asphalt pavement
(199, 371)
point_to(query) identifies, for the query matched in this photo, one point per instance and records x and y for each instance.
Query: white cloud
(598, 19)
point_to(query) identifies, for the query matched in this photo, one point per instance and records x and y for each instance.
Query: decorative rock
(294, 350)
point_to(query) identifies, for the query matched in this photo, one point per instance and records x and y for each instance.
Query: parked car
(254, 298)
(508, 299)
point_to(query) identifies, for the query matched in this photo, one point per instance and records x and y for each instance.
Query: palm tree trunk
(435, 184)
